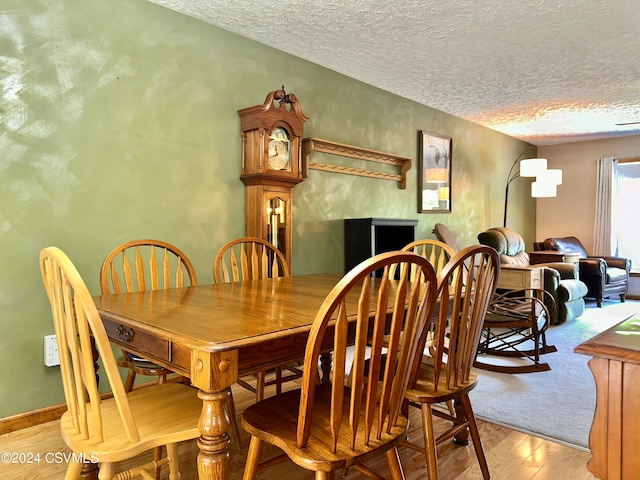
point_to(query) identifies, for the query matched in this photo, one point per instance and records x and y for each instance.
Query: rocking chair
(515, 327)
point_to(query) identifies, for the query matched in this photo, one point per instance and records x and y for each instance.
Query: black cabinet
(366, 237)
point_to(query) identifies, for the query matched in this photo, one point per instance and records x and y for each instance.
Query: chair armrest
(566, 271)
(514, 296)
(519, 304)
(570, 290)
(551, 278)
(592, 267)
(617, 262)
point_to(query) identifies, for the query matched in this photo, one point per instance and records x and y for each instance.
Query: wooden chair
(252, 258)
(437, 253)
(515, 327)
(465, 287)
(141, 265)
(248, 258)
(113, 429)
(328, 427)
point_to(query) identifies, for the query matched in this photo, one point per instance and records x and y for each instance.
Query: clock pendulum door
(276, 221)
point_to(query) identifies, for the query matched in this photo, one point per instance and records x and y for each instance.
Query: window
(626, 199)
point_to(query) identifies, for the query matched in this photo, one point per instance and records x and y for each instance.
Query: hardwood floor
(511, 455)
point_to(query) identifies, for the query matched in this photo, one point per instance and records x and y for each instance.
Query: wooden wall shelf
(310, 145)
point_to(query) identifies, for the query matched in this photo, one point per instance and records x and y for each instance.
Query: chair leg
(73, 471)
(128, 383)
(475, 437)
(253, 457)
(260, 386)
(107, 471)
(393, 462)
(233, 418)
(278, 380)
(461, 438)
(430, 452)
(172, 455)
(537, 341)
(452, 410)
(325, 476)
(157, 456)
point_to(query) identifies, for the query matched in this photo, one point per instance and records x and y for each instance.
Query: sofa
(560, 279)
(604, 276)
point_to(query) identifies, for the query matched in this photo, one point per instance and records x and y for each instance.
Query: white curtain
(605, 187)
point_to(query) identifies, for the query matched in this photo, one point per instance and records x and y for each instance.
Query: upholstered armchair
(560, 279)
(604, 276)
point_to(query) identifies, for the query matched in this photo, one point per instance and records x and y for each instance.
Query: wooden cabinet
(366, 237)
(615, 436)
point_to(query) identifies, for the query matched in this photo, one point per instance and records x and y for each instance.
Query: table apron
(216, 370)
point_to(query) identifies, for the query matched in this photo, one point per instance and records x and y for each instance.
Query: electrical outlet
(51, 357)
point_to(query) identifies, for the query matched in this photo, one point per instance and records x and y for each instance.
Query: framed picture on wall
(434, 176)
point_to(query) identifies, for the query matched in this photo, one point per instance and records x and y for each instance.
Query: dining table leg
(89, 471)
(461, 438)
(213, 458)
(213, 373)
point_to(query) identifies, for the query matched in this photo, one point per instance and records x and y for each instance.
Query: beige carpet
(557, 404)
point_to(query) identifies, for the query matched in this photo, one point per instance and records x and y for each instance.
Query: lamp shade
(532, 167)
(543, 189)
(552, 176)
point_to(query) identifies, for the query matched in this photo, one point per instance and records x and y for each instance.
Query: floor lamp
(546, 182)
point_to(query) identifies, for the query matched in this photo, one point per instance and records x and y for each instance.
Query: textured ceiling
(544, 71)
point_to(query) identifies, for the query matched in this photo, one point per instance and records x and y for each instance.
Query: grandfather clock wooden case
(271, 166)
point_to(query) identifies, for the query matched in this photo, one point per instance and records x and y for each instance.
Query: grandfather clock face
(272, 140)
(279, 150)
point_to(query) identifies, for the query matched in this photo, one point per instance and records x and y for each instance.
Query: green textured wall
(118, 120)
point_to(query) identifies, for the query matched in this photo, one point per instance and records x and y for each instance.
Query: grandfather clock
(272, 166)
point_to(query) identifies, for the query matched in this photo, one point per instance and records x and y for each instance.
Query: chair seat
(158, 420)
(516, 316)
(615, 275)
(276, 418)
(424, 391)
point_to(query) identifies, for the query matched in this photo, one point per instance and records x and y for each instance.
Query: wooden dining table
(215, 334)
